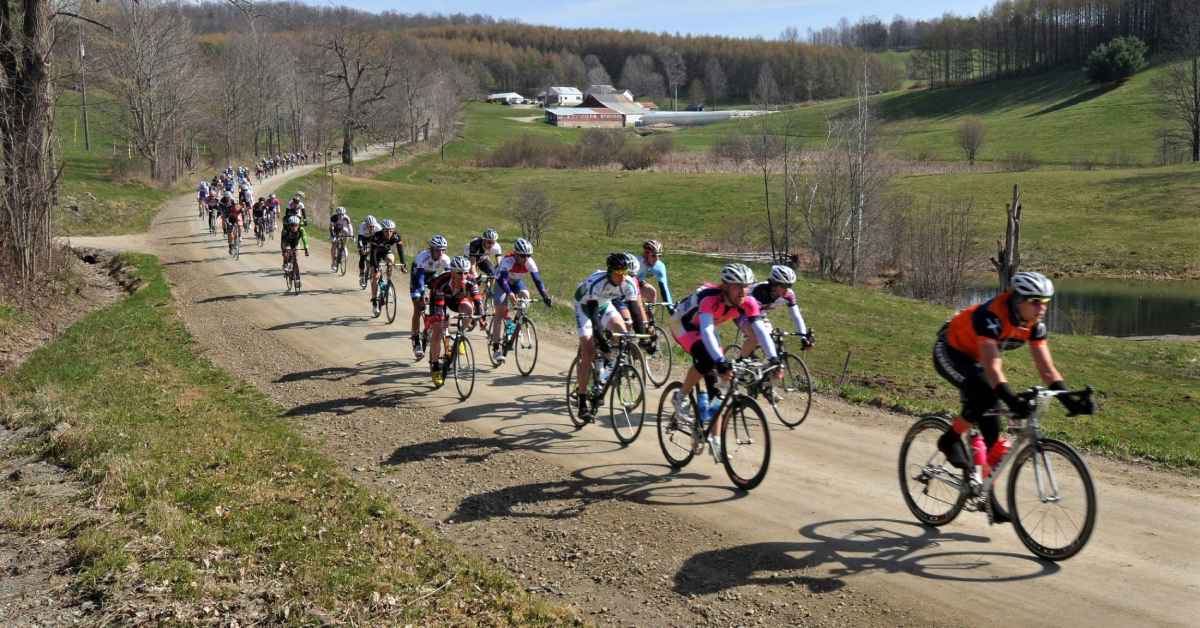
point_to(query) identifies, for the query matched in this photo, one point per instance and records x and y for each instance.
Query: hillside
(1058, 117)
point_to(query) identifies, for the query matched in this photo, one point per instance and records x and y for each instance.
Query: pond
(1116, 307)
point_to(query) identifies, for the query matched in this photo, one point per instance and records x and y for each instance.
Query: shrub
(597, 147)
(533, 212)
(1116, 60)
(530, 151)
(612, 214)
(733, 147)
(971, 136)
(1019, 161)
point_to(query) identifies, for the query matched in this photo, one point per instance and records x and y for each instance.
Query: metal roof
(567, 112)
(566, 91)
(616, 102)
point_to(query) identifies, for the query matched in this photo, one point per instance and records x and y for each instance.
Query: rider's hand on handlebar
(1077, 404)
(547, 301)
(403, 268)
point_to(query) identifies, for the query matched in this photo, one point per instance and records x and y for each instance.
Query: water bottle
(603, 370)
(702, 407)
(714, 406)
(509, 327)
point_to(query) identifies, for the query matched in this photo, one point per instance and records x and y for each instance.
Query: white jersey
(432, 266)
(365, 230)
(599, 290)
(516, 268)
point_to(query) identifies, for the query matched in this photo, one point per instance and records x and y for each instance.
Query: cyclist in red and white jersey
(513, 266)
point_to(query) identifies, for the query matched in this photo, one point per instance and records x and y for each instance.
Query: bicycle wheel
(1051, 499)
(463, 366)
(237, 246)
(342, 255)
(674, 436)
(659, 361)
(525, 346)
(934, 491)
(794, 393)
(571, 392)
(745, 443)
(626, 396)
(389, 301)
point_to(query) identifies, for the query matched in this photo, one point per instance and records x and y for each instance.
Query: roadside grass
(218, 498)
(99, 194)
(1057, 117)
(1150, 390)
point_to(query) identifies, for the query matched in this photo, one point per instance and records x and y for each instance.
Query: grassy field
(98, 197)
(218, 498)
(1057, 117)
(889, 337)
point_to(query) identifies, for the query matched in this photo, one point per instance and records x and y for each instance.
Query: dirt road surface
(826, 539)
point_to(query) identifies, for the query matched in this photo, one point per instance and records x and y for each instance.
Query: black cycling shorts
(967, 375)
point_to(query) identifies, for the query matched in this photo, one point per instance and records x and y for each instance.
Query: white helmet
(438, 242)
(372, 221)
(782, 274)
(460, 264)
(653, 245)
(523, 246)
(293, 220)
(388, 223)
(341, 211)
(737, 274)
(631, 264)
(490, 234)
(1032, 285)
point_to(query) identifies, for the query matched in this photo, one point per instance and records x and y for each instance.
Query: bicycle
(386, 294)
(520, 337)
(235, 245)
(796, 390)
(658, 352)
(260, 231)
(487, 284)
(744, 427)
(364, 269)
(620, 380)
(291, 271)
(340, 255)
(212, 221)
(458, 356)
(924, 470)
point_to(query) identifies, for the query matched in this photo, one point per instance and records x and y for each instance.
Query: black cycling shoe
(998, 514)
(585, 409)
(951, 445)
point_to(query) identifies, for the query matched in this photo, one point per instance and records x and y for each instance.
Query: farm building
(509, 98)
(630, 111)
(581, 117)
(600, 90)
(563, 97)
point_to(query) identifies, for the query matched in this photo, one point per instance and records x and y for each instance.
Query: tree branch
(82, 18)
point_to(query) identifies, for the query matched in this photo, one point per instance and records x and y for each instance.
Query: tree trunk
(348, 143)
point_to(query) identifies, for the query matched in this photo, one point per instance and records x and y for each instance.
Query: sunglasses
(621, 272)
(1042, 300)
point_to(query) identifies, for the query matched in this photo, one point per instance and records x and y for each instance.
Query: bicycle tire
(943, 469)
(622, 410)
(390, 305)
(463, 366)
(572, 409)
(674, 438)
(342, 255)
(525, 343)
(798, 391)
(749, 424)
(1089, 494)
(659, 364)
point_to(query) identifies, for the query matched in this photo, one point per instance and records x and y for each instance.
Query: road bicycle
(212, 221)
(235, 245)
(519, 336)
(790, 399)
(260, 231)
(458, 359)
(618, 378)
(385, 292)
(340, 255)
(1051, 497)
(658, 351)
(745, 440)
(487, 284)
(291, 271)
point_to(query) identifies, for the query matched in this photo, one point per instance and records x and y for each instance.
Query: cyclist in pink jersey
(694, 326)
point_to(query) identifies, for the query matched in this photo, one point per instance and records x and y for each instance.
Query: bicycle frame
(625, 342)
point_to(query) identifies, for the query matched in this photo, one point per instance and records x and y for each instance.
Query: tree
(533, 212)
(1178, 88)
(596, 74)
(766, 90)
(1116, 60)
(411, 86)
(638, 76)
(675, 70)
(971, 136)
(714, 80)
(149, 67)
(695, 92)
(612, 214)
(357, 73)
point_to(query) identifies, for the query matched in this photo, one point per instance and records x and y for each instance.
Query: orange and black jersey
(995, 319)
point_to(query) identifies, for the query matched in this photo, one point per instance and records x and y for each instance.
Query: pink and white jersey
(709, 300)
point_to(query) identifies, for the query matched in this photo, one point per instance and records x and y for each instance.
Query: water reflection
(1116, 308)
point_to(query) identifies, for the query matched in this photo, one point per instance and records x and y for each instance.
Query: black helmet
(617, 261)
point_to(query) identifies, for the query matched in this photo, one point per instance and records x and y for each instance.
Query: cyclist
(259, 211)
(223, 208)
(212, 203)
(602, 303)
(295, 207)
(292, 236)
(339, 225)
(509, 272)
(366, 229)
(770, 294)
(381, 251)
(694, 326)
(202, 193)
(967, 354)
(247, 193)
(652, 266)
(484, 252)
(457, 290)
(236, 218)
(273, 214)
(427, 265)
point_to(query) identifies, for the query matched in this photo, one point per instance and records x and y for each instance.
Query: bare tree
(971, 136)
(149, 68)
(715, 81)
(1178, 88)
(450, 86)
(638, 75)
(357, 72)
(675, 70)
(765, 148)
(596, 74)
(533, 212)
(937, 246)
(766, 90)
(412, 88)
(612, 214)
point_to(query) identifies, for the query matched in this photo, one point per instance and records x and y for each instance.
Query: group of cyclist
(270, 166)
(966, 352)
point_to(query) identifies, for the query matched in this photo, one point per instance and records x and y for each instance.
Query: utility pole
(87, 137)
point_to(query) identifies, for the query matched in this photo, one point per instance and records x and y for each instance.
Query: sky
(738, 18)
